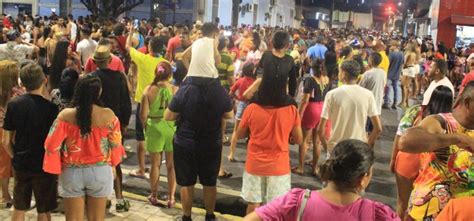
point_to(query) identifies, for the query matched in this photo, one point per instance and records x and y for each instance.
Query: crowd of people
(68, 86)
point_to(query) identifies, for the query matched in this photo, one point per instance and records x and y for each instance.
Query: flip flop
(134, 174)
(295, 170)
(226, 175)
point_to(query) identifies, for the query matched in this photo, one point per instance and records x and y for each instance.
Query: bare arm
(145, 108)
(250, 92)
(228, 115)
(7, 142)
(170, 115)
(252, 217)
(376, 131)
(297, 135)
(430, 136)
(394, 153)
(303, 104)
(322, 133)
(217, 55)
(242, 132)
(186, 57)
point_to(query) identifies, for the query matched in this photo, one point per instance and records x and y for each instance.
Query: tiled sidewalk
(140, 211)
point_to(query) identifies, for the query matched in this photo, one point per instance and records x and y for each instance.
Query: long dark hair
(318, 67)
(68, 82)
(58, 63)
(441, 101)
(46, 32)
(349, 161)
(86, 94)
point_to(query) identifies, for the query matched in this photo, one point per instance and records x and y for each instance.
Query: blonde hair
(9, 73)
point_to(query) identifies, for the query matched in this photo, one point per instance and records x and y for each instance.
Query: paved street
(382, 187)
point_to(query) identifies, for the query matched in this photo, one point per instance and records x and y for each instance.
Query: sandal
(153, 201)
(171, 204)
(225, 175)
(309, 162)
(136, 175)
(297, 171)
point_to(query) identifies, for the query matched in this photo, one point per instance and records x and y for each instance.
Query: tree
(106, 9)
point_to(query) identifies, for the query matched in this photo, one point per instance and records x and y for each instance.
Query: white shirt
(433, 85)
(202, 62)
(374, 80)
(16, 52)
(73, 31)
(348, 107)
(86, 47)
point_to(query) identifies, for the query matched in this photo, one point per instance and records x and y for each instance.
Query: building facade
(250, 12)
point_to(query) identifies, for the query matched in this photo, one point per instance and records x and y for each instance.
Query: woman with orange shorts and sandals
(406, 165)
(9, 88)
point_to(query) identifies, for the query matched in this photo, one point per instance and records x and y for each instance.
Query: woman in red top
(85, 143)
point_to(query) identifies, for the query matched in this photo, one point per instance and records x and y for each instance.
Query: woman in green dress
(159, 132)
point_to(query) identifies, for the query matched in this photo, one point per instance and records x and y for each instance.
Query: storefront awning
(462, 20)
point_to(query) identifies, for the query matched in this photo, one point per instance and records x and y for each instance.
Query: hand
(465, 142)
(392, 165)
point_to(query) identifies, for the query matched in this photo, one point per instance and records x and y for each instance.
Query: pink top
(286, 208)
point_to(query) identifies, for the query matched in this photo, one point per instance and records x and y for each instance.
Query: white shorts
(259, 189)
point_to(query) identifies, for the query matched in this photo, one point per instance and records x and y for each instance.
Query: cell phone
(136, 24)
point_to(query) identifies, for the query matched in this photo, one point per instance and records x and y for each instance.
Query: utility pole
(174, 11)
(331, 13)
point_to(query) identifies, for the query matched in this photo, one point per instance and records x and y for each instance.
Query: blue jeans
(393, 93)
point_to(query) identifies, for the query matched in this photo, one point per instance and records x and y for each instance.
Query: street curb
(195, 210)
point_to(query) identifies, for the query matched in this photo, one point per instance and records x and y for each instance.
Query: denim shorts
(241, 105)
(93, 181)
(259, 189)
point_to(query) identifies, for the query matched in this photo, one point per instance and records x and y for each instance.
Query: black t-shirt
(277, 74)
(115, 94)
(318, 92)
(201, 103)
(31, 117)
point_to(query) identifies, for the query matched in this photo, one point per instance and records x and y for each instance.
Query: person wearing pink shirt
(347, 173)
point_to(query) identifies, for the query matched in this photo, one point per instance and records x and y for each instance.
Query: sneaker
(124, 206)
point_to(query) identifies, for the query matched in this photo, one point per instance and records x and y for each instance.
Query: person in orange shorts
(406, 165)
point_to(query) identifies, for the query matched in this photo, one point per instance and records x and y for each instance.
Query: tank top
(159, 105)
(203, 63)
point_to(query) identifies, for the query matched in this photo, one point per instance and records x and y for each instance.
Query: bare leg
(302, 151)
(96, 208)
(155, 172)
(171, 176)
(18, 215)
(404, 187)
(5, 193)
(251, 207)
(316, 151)
(44, 217)
(118, 182)
(74, 208)
(233, 141)
(210, 193)
(187, 195)
(141, 157)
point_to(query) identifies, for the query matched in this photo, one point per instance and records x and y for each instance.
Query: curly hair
(86, 94)
(349, 160)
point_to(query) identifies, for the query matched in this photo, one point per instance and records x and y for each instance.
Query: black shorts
(190, 163)
(43, 185)
(140, 136)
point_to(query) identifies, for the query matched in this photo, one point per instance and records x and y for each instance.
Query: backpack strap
(307, 194)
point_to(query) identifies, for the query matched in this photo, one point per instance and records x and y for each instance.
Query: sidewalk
(140, 210)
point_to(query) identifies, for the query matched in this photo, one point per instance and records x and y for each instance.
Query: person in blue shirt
(318, 50)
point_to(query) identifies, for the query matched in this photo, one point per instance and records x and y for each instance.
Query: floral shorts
(259, 189)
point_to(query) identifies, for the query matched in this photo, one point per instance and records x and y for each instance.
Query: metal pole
(174, 12)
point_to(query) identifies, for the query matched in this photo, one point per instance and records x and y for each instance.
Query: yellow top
(146, 65)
